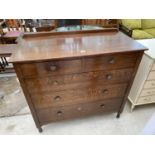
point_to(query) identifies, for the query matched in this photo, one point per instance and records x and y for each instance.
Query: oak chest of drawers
(69, 75)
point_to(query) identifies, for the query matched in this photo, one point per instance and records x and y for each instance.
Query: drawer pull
(59, 113)
(109, 77)
(102, 105)
(112, 61)
(149, 92)
(57, 98)
(147, 99)
(153, 84)
(55, 83)
(79, 108)
(53, 68)
(105, 91)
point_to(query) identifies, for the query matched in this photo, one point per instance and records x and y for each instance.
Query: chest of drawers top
(37, 47)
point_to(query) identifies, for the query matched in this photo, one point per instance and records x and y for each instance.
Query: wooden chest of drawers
(94, 81)
(143, 88)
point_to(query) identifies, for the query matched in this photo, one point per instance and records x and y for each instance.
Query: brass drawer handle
(53, 68)
(59, 113)
(102, 105)
(105, 91)
(109, 77)
(112, 61)
(57, 98)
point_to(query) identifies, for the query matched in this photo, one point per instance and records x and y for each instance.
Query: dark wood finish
(68, 75)
(78, 110)
(28, 98)
(51, 68)
(63, 67)
(70, 81)
(75, 44)
(44, 28)
(129, 85)
(80, 94)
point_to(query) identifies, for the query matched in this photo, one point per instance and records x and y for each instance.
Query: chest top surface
(150, 44)
(54, 45)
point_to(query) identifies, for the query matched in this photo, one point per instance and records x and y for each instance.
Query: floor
(130, 123)
(12, 99)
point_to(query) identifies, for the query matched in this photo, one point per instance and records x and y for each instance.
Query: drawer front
(78, 95)
(151, 76)
(153, 68)
(147, 92)
(106, 62)
(51, 68)
(57, 83)
(79, 110)
(114, 61)
(147, 99)
(149, 84)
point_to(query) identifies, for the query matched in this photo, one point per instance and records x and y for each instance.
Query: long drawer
(149, 84)
(57, 83)
(146, 99)
(147, 92)
(79, 110)
(78, 95)
(62, 67)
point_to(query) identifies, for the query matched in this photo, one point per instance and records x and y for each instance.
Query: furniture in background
(143, 88)
(13, 24)
(45, 25)
(13, 31)
(39, 25)
(5, 51)
(138, 28)
(107, 23)
(67, 22)
(75, 75)
(3, 63)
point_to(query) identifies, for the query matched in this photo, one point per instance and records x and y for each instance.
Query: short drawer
(147, 92)
(146, 99)
(57, 83)
(149, 84)
(113, 61)
(78, 95)
(151, 75)
(78, 110)
(50, 68)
